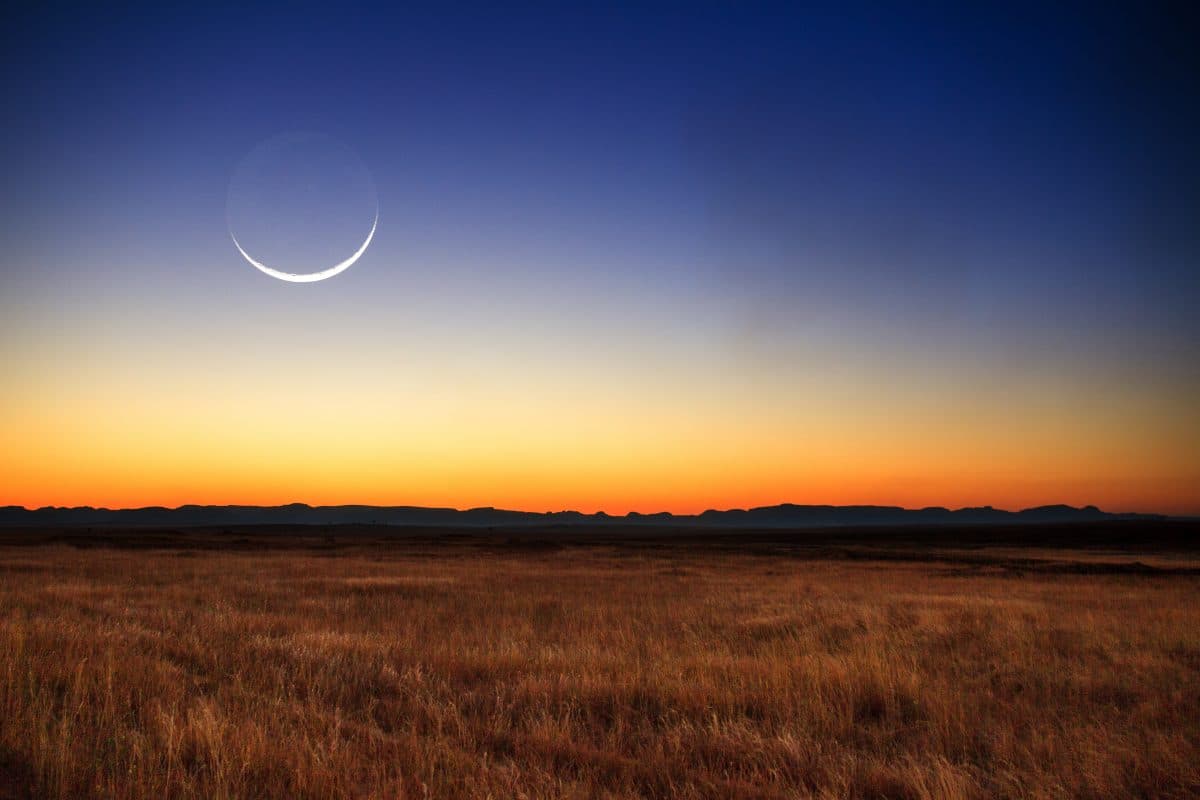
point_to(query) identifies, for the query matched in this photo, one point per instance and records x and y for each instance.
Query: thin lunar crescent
(309, 277)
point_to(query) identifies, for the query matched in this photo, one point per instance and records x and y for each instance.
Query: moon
(309, 277)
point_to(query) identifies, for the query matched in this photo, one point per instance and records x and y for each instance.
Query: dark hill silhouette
(780, 516)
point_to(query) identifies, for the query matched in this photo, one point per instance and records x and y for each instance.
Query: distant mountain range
(781, 516)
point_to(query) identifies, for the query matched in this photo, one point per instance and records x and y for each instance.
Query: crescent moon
(309, 277)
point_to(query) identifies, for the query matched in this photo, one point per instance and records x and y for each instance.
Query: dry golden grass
(587, 672)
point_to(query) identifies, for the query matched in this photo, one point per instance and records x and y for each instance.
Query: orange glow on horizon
(151, 430)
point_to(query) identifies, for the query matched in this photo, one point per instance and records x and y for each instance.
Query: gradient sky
(657, 258)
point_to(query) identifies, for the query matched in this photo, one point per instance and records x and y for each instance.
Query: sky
(662, 257)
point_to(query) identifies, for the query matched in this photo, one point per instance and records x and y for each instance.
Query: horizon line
(600, 512)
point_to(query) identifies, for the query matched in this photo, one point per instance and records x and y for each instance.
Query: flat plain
(366, 663)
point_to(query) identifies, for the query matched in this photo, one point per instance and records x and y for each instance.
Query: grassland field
(376, 664)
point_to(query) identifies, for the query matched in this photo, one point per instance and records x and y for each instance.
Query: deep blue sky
(918, 143)
(761, 193)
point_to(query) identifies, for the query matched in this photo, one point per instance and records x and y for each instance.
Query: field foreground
(419, 669)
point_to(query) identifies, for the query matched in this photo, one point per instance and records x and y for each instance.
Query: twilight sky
(656, 258)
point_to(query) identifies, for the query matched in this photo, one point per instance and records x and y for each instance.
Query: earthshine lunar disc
(298, 203)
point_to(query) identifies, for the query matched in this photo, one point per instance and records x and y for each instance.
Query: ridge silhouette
(786, 515)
